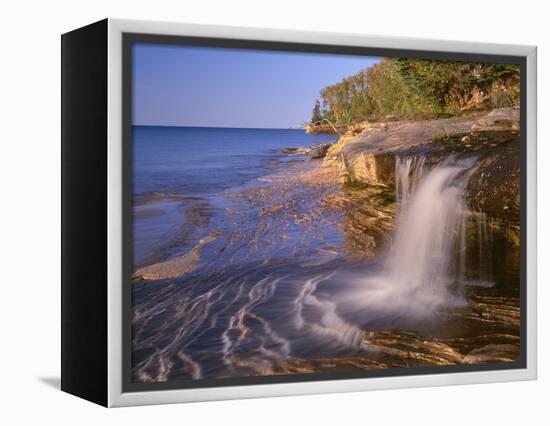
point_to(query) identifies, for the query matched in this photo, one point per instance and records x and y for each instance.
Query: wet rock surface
(301, 213)
(498, 318)
(315, 152)
(250, 305)
(319, 151)
(175, 267)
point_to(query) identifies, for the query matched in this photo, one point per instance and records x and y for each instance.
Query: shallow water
(179, 170)
(278, 288)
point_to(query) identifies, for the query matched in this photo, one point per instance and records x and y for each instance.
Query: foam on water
(247, 319)
(424, 270)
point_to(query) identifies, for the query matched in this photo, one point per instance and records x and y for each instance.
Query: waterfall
(484, 252)
(408, 172)
(425, 268)
(428, 253)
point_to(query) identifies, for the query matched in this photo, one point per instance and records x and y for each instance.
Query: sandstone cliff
(367, 154)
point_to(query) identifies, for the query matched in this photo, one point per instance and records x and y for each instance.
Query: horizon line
(220, 127)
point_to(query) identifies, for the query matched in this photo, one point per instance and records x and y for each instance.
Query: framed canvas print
(252, 212)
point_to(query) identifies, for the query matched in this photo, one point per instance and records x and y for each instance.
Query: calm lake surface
(203, 160)
(174, 164)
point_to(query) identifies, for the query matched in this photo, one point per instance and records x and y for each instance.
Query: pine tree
(316, 115)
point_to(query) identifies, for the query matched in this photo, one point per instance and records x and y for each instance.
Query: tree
(404, 87)
(317, 114)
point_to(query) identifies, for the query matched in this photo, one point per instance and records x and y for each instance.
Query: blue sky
(221, 87)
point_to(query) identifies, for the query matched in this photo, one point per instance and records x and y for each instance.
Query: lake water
(274, 291)
(173, 166)
(203, 160)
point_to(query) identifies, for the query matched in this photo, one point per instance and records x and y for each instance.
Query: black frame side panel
(84, 212)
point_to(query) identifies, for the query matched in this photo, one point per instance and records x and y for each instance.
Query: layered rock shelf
(367, 155)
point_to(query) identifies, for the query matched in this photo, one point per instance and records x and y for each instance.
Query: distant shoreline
(300, 128)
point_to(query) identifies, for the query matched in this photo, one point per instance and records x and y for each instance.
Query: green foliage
(356, 184)
(316, 114)
(343, 102)
(387, 197)
(445, 137)
(412, 87)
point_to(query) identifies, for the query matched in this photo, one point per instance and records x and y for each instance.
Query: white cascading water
(428, 253)
(424, 270)
(484, 231)
(260, 322)
(408, 172)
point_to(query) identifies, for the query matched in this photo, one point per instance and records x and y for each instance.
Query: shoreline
(359, 169)
(306, 217)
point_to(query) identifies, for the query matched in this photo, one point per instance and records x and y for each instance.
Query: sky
(223, 87)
